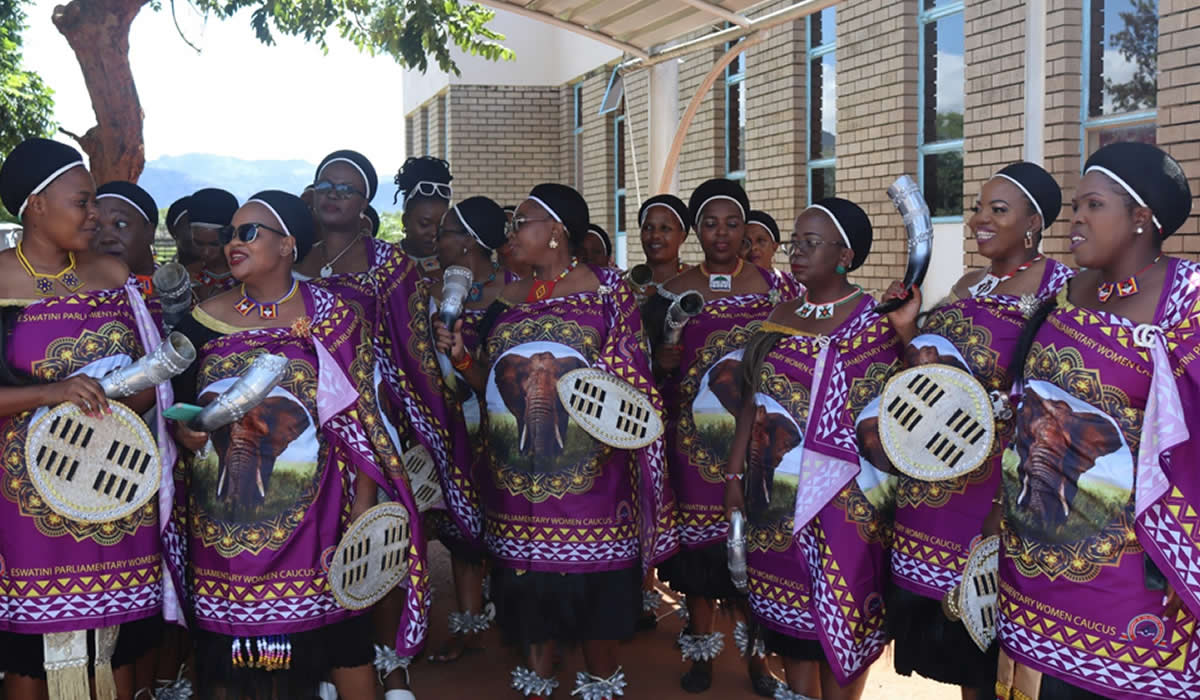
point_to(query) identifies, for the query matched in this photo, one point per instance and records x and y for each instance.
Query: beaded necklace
(268, 310)
(542, 289)
(45, 283)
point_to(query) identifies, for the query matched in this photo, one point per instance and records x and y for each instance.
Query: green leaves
(26, 103)
(410, 31)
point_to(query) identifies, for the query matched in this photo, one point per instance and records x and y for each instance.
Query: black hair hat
(177, 210)
(295, 218)
(595, 230)
(717, 188)
(133, 195)
(484, 220)
(373, 217)
(30, 168)
(852, 223)
(1151, 176)
(509, 208)
(1038, 186)
(424, 177)
(565, 205)
(359, 163)
(765, 220)
(212, 206)
(668, 201)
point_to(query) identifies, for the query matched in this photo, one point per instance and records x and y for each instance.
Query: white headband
(547, 207)
(467, 226)
(282, 224)
(700, 210)
(178, 216)
(366, 180)
(44, 183)
(597, 234)
(1036, 206)
(131, 203)
(763, 227)
(845, 238)
(666, 206)
(1136, 197)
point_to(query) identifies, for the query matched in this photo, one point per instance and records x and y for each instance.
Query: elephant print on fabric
(1070, 466)
(247, 451)
(528, 388)
(769, 497)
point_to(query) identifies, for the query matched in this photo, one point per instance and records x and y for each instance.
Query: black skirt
(932, 646)
(792, 648)
(440, 525)
(314, 653)
(700, 572)
(534, 607)
(24, 654)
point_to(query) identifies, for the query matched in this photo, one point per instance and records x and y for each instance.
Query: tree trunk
(98, 32)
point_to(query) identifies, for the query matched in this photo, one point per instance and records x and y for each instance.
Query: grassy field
(1095, 505)
(288, 481)
(504, 442)
(714, 432)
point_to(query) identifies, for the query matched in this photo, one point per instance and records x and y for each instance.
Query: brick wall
(993, 127)
(1179, 105)
(504, 140)
(877, 122)
(1064, 78)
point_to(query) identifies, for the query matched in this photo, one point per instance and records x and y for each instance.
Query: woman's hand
(668, 357)
(81, 390)
(193, 440)
(904, 319)
(449, 342)
(1171, 602)
(735, 499)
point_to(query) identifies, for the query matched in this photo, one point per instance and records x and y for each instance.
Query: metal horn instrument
(456, 284)
(264, 374)
(735, 547)
(173, 286)
(906, 197)
(171, 357)
(680, 311)
(640, 277)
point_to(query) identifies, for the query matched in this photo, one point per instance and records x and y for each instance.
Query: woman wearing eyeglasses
(209, 210)
(571, 522)
(977, 330)
(425, 185)
(816, 513)
(697, 371)
(69, 316)
(271, 495)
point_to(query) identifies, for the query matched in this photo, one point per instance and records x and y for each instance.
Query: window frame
(732, 79)
(577, 132)
(1088, 123)
(620, 191)
(924, 19)
(812, 53)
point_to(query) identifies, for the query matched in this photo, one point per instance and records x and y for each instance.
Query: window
(735, 118)
(577, 134)
(1120, 72)
(821, 80)
(941, 95)
(444, 110)
(618, 144)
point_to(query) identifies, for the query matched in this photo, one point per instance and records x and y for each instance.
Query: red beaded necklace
(542, 289)
(1125, 288)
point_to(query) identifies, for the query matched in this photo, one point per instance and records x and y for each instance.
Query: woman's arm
(736, 467)
(81, 390)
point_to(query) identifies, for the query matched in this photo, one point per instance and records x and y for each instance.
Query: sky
(237, 97)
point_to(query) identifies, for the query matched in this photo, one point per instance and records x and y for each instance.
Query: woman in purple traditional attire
(817, 515)
(70, 316)
(425, 185)
(664, 222)
(762, 239)
(699, 380)
(209, 210)
(471, 232)
(572, 524)
(1098, 592)
(975, 329)
(272, 494)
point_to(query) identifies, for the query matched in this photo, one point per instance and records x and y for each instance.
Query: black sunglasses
(338, 191)
(246, 233)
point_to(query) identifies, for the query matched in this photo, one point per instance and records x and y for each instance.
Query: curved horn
(735, 547)
(906, 196)
(639, 277)
(171, 357)
(264, 374)
(680, 311)
(173, 286)
(456, 284)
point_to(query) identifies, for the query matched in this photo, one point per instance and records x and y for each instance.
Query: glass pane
(735, 127)
(620, 212)
(944, 86)
(822, 119)
(934, 4)
(579, 162)
(823, 181)
(823, 27)
(1123, 56)
(738, 66)
(943, 186)
(578, 106)
(619, 156)
(1140, 133)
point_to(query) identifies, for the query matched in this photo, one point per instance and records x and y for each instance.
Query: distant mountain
(171, 177)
